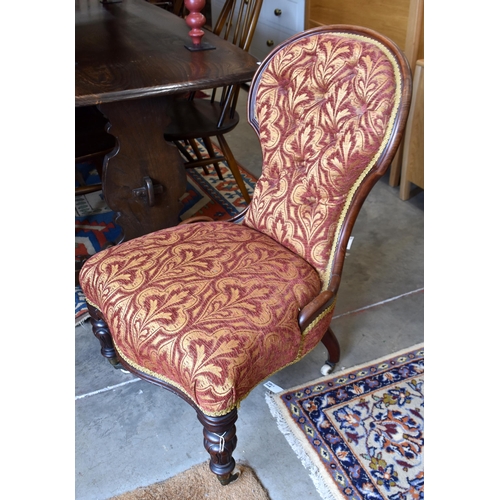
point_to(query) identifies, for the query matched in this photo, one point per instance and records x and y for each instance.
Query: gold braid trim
(220, 413)
(328, 310)
(177, 386)
(397, 74)
(92, 304)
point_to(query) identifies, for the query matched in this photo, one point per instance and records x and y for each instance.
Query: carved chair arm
(319, 304)
(312, 310)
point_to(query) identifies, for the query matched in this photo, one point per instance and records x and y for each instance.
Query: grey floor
(130, 433)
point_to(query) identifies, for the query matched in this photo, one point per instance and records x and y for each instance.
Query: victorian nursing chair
(210, 309)
(193, 118)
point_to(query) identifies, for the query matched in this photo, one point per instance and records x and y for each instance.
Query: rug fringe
(80, 321)
(314, 472)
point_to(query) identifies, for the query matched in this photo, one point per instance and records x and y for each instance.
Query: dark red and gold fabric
(210, 308)
(325, 108)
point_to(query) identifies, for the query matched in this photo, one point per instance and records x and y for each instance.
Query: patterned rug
(360, 432)
(205, 195)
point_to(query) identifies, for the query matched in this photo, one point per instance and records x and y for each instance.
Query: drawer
(266, 38)
(291, 13)
(284, 14)
(271, 29)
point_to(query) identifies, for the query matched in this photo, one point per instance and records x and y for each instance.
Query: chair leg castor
(327, 368)
(229, 478)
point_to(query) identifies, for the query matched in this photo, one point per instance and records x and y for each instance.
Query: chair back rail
(236, 23)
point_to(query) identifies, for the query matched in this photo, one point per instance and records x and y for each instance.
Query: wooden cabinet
(412, 170)
(278, 20)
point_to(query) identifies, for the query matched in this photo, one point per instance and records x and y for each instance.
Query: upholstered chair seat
(209, 308)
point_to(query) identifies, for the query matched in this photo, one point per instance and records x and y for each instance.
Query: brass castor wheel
(230, 478)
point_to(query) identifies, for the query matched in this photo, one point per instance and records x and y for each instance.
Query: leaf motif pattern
(209, 307)
(212, 308)
(336, 95)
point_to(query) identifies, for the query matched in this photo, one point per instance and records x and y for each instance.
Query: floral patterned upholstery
(325, 107)
(212, 308)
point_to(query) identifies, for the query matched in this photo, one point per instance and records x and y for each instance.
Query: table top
(134, 49)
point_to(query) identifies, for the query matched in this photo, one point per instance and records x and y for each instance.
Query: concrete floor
(130, 433)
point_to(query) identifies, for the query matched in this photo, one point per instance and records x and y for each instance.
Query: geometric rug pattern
(205, 195)
(360, 431)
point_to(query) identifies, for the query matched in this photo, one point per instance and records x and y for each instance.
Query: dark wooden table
(130, 62)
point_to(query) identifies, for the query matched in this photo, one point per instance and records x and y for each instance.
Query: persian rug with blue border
(360, 431)
(205, 195)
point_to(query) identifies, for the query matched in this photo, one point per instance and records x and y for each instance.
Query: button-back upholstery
(211, 308)
(325, 108)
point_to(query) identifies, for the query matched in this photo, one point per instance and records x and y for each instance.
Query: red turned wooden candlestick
(195, 20)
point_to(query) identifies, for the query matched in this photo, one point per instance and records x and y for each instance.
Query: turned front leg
(220, 441)
(101, 332)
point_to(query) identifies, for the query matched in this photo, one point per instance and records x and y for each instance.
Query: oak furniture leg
(197, 153)
(211, 152)
(395, 171)
(413, 153)
(233, 166)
